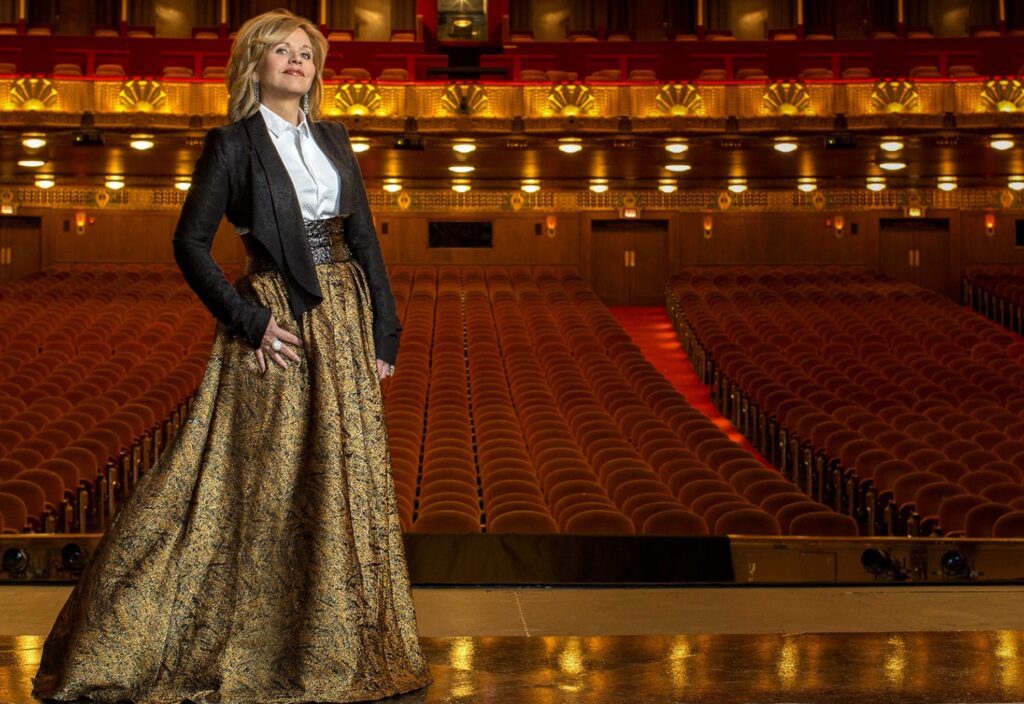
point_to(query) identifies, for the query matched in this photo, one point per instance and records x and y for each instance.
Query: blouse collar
(277, 124)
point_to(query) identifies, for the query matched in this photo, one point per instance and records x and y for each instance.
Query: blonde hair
(254, 40)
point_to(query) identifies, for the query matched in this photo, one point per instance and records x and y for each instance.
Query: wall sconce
(990, 224)
(552, 223)
(838, 223)
(80, 222)
(709, 225)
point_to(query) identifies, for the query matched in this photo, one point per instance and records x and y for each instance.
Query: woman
(261, 559)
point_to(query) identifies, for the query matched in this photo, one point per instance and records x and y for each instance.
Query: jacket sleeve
(362, 240)
(201, 214)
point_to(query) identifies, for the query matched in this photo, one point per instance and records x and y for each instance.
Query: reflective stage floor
(639, 646)
(858, 668)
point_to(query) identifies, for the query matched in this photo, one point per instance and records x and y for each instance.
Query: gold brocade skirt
(260, 560)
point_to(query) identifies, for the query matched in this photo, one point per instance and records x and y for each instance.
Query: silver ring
(276, 345)
(391, 370)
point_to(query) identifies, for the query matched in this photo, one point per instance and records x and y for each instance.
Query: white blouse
(313, 175)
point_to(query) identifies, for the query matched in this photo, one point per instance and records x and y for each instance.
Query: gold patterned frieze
(1005, 95)
(569, 201)
(140, 95)
(356, 98)
(588, 103)
(901, 96)
(31, 94)
(784, 98)
(669, 100)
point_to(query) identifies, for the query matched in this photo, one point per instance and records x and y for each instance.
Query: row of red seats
(95, 361)
(997, 292)
(880, 390)
(538, 419)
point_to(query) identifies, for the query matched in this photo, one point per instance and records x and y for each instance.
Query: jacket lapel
(289, 242)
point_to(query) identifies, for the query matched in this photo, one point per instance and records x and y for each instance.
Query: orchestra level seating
(888, 402)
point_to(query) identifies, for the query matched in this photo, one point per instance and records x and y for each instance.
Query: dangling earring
(256, 91)
(305, 103)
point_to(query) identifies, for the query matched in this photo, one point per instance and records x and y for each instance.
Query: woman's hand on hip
(384, 370)
(273, 346)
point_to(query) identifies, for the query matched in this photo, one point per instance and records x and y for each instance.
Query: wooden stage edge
(459, 559)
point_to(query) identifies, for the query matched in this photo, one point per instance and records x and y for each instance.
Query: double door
(629, 261)
(20, 247)
(917, 250)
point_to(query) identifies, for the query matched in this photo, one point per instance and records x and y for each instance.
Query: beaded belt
(326, 244)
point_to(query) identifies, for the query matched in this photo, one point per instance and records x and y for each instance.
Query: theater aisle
(652, 331)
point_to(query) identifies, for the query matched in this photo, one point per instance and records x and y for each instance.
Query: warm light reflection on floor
(820, 668)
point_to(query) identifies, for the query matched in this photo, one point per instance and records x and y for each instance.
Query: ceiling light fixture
(598, 185)
(891, 144)
(45, 181)
(114, 183)
(570, 145)
(1001, 142)
(668, 185)
(461, 169)
(142, 142)
(785, 144)
(737, 185)
(875, 183)
(360, 144)
(464, 146)
(530, 185)
(676, 145)
(1016, 183)
(31, 163)
(461, 186)
(33, 140)
(891, 162)
(183, 184)
(946, 183)
(678, 168)
(807, 185)
(392, 185)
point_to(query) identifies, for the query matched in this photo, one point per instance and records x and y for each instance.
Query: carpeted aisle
(652, 331)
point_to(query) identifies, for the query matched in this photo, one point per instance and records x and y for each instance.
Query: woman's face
(287, 69)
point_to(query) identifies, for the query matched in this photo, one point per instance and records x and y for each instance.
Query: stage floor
(676, 645)
(820, 668)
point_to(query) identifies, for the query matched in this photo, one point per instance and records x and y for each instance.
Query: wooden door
(629, 261)
(20, 247)
(896, 244)
(932, 244)
(609, 259)
(649, 264)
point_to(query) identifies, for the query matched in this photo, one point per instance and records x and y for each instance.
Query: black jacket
(240, 175)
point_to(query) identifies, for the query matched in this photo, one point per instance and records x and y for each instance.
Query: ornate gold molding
(515, 201)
